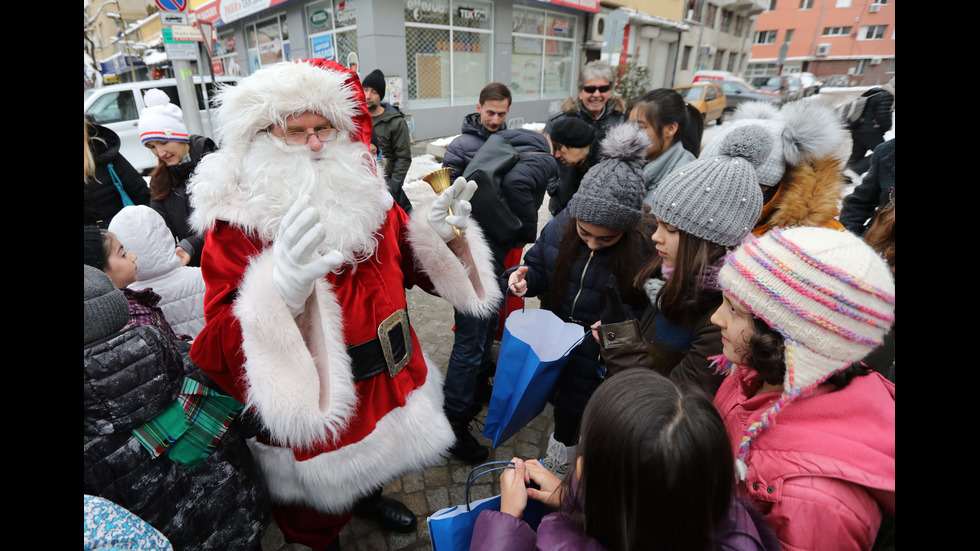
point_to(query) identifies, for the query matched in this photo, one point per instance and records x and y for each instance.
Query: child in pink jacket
(813, 432)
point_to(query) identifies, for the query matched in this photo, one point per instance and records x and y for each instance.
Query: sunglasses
(601, 89)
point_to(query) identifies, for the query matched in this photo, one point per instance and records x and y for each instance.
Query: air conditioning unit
(707, 49)
(875, 60)
(823, 49)
(597, 28)
(874, 7)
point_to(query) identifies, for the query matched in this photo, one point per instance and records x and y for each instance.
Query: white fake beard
(352, 199)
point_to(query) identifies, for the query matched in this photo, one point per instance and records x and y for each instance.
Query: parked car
(835, 81)
(708, 97)
(739, 92)
(810, 84)
(118, 107)
(788, 87)
(703, 75)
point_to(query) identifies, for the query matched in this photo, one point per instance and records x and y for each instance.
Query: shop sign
(560, 26)
(591, 6)
(345, 13)
(422, 8)
(323, 46)
(319, 18)
(471, 14)
(232, 10)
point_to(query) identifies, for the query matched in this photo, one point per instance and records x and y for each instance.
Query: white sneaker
(558, 456)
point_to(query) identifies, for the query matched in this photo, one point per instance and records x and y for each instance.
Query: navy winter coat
(525, 184)
(461, 151)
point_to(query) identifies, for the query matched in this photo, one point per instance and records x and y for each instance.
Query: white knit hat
(827, 292)
(161, 120)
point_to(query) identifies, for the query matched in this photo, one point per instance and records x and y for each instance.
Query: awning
(591, 6)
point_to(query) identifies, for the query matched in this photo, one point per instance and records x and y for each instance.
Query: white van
(118, 107)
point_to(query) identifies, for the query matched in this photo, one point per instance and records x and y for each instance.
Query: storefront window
(226, 53)
(542, 54)
(332, 28)
(448, 44)
(268, 42)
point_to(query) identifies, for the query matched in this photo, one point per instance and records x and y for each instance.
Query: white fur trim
(449, 274)
(407, 439)
(297, 373)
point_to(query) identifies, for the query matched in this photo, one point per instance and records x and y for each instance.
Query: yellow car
(708, 97)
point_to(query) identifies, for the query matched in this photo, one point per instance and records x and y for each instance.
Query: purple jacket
(496, 531)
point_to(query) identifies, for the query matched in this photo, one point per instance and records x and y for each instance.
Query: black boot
(466, 447)
(390, 513)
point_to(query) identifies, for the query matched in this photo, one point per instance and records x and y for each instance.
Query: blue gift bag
(451, 529)
(533, 351)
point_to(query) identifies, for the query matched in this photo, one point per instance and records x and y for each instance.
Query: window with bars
(448, 45)
(542, 54)
(331, 26)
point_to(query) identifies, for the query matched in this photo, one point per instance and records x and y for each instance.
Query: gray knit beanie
(106, 308)
(717, 198)
(611, 193)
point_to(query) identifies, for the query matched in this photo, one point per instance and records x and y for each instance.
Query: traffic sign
(172, 5)
(173, 18)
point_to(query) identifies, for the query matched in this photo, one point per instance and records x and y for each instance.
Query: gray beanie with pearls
(717, 198)
(611, 193)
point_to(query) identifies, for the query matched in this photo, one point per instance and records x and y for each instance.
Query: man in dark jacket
(595, 105)
(391, 135)
(490, 117)
(868, 132)
(471, 363)
(862, 205)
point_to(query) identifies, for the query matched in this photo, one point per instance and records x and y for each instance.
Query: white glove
(458, 197)
(296, 264)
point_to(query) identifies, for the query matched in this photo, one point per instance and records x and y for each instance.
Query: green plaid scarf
(189, 430)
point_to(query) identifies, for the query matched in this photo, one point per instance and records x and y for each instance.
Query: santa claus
(306, 261)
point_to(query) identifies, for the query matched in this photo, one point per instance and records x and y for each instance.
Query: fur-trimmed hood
(809, 194)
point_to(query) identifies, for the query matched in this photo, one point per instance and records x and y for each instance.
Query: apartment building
(851, 38)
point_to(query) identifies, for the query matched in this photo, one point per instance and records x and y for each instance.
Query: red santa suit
(346, 397)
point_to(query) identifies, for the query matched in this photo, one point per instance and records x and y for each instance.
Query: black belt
(390, 351)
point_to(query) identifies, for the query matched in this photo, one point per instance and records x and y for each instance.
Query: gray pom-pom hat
(717, 198)
(611, 193)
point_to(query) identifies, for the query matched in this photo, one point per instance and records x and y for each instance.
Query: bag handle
(126, 201)
(470, 478)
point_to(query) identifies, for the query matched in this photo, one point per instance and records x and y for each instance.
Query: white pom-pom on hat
(160, 119)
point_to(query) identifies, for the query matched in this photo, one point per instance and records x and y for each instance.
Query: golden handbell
(438, 180)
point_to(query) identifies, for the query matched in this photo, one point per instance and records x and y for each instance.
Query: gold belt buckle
(400, 317)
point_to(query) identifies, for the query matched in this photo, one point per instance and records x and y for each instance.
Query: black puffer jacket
(102, 200)
(129, 378)
(462, 149)
(581, 302)
(175, 208)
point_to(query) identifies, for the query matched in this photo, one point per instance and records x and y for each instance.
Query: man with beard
(306, 263)
(391, 136)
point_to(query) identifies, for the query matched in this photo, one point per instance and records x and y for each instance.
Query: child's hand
(513, 492)
(516, 283)
(184, 256)
(540, 475)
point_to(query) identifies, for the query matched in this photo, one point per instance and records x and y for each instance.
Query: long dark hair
(663, 107)
(622, 260)
(657, 469)
(766, 354)
(694, 257)
(162, 181)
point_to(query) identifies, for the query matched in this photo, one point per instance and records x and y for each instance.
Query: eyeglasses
(323, 133)
(602, 89)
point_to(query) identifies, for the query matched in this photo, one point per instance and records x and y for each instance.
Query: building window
(448, 44)
(719, 57)
(843, 4)
(739, 25)
(836, 31)
(726, 21)
(761, 70)
(332, 30)
(542, 54)
(694, 10)
(789, 35)
(771, 6)
(268, 42)
(806, 4)
(879, 2)
(872, 32)
(686, 59)
(709, 20)
(765, 37)
(226, 52)
(732, 58)
(861, 67)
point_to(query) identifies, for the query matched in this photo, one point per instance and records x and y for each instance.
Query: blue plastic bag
(451, 529)
(533, 351)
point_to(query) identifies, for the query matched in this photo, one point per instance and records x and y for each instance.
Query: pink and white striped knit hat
(161, 120)
(827, 292)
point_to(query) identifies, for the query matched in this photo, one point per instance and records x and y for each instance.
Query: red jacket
(824, 470)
